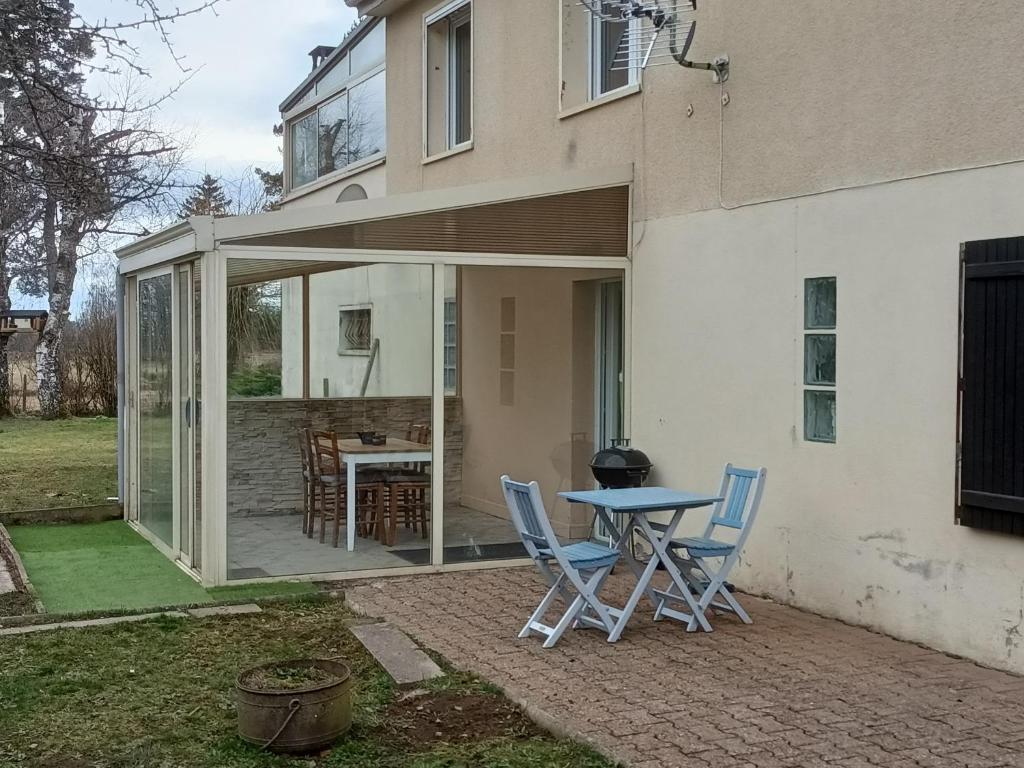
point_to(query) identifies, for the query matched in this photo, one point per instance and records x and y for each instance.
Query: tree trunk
(5, 304)
(48, 350)
(5, 379)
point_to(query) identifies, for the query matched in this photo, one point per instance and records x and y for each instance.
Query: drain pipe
(369, 367)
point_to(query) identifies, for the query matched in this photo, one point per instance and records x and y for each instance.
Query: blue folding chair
(741, 490)
(583, 566)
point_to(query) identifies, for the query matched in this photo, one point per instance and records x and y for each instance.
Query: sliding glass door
(166, 412)
(155, 407)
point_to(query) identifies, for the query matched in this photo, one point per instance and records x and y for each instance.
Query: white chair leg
(543, 607)
(563, 623)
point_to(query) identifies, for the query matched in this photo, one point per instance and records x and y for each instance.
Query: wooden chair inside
(409, 492)
(309, 479)
(331, 487)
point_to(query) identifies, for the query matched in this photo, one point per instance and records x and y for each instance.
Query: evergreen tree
(207, 199)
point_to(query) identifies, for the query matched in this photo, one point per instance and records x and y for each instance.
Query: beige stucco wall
(540, 433)
(821, 96)
(862, 529)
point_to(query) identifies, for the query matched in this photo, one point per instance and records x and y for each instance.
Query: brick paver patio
(793, 689)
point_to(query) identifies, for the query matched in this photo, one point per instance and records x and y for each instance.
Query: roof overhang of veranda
(578, 216)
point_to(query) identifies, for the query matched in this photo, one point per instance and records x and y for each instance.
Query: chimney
(320, 53)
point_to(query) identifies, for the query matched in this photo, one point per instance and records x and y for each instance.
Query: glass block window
(451, 349)
(820, 359)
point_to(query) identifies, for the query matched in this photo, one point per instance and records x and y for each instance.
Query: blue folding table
(638, 503)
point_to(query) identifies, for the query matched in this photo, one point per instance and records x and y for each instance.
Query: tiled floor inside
(274, 545)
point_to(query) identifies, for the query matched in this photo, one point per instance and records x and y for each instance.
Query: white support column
(212, 413)
(627, 350)
(437, 422)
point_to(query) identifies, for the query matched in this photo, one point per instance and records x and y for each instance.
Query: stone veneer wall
(264, 463)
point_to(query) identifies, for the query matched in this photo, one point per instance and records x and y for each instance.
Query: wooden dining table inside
(354, 452)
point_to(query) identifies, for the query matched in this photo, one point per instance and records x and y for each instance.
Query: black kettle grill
(620, 466)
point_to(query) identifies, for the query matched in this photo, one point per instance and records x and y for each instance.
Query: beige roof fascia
(177, 241)
(412, 203)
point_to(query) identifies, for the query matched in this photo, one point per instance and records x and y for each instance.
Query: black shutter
(991, 468)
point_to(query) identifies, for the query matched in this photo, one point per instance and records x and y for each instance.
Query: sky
(244, 59)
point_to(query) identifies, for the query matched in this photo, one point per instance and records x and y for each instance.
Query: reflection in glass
(820, 416)
(366, 111)
(333, 134)
(820, 359)
(304, 150)
(156, 492)
(820, 302)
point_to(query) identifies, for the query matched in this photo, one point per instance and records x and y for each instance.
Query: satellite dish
(655, 32)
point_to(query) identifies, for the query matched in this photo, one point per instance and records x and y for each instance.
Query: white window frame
(432, 17)
(595, 52)
(349, 351)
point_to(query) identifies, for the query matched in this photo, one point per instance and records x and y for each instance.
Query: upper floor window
(600, 54)
(448, 68)
(346, 122)
(612, 60)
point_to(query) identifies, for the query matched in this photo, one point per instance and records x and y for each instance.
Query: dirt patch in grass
(17, 604)
(452, 717)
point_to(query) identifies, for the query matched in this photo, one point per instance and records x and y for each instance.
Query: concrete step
(397, 653)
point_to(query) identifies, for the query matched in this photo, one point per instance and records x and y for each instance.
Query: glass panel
(534, 421)
(156, 453)
(197, 415)
(185, 404)
(367, 122)
(611, 36)
(304, 150)
(819, 358)
(334, 77)
(820, 302)
(461, 84)
(333, 136)
(820, 416)
(385, 389)
(254, 340)
(368, 52)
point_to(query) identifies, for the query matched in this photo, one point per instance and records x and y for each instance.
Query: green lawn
(109, 567)
(159, 694)
(63, 463)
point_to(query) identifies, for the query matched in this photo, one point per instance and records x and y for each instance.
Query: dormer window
(337, 119)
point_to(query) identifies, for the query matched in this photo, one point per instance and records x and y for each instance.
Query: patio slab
(793, 689)
(399, 655)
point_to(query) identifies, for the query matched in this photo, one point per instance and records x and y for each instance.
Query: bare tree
(95, 162)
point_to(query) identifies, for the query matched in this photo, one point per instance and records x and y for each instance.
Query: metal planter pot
(300, 720)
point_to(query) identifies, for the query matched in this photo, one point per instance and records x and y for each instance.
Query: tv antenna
(654, 33)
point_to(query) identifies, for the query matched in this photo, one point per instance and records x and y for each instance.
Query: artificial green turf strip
(108, 566)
